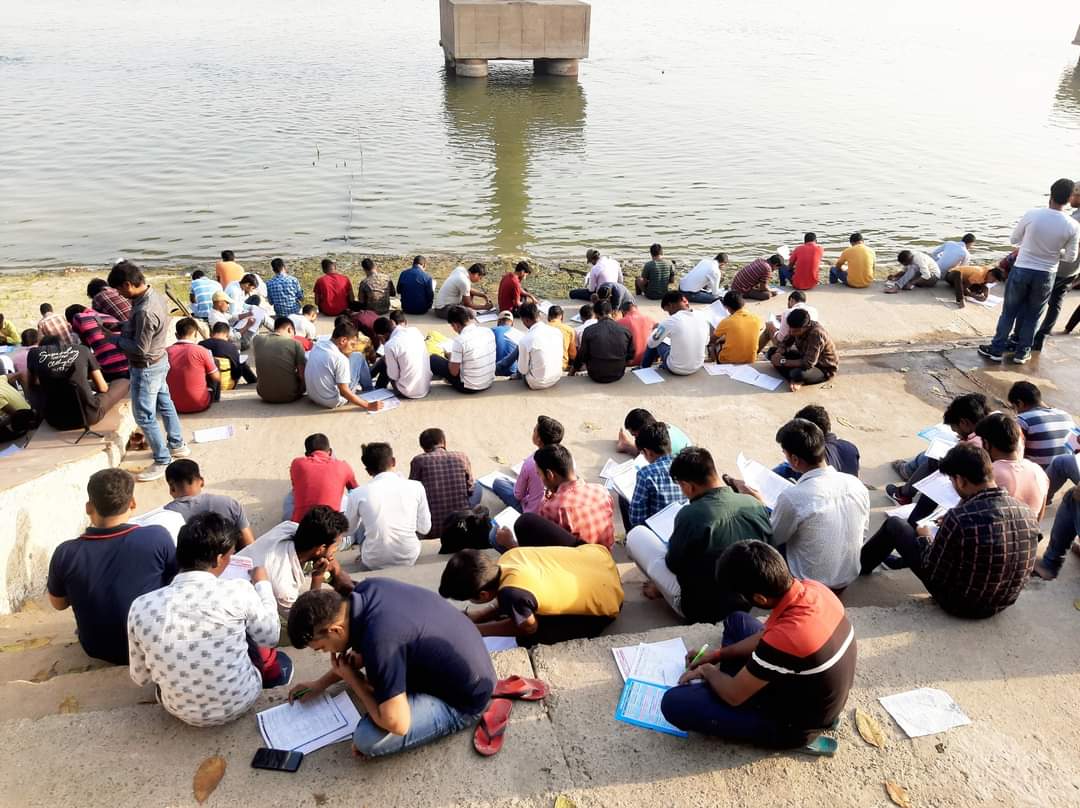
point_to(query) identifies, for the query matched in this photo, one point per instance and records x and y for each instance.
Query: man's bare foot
(649, 590)
(794, 387)
(1042, 571)
(1075, 548)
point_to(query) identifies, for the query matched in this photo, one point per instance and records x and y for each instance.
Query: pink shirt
(529, 488)
(1024, 480)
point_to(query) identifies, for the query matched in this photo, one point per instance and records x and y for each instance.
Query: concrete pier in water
(553, 33)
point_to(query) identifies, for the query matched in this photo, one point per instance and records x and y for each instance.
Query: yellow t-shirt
(11, 400)
(860, 265)
(740, 331)
(579, 580)
(568, 338)
(228, 271)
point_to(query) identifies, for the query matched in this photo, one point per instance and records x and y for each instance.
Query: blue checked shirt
(654, 490)
(202, 289)
(285, 294)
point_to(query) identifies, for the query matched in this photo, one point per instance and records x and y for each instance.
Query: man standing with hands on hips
(142, 339)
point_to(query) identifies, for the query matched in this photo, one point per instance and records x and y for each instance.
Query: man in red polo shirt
(333, 291)
(780, 684)
(511, 292)
(318, 478)
(640, 326)
(194, 379)
(805, 264)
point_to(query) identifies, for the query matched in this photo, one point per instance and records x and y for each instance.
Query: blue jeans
(1066, 528)
(1061, 469)
(786, 274)
(504, 490)
(507, 366)
(149, 398)
(701, 296)
(695, 707)
(1026, 294)
(359, 372)
(432, 719)
(837, 275)
(662, 350)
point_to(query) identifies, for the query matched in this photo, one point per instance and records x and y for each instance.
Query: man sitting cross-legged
(777, 685)
(426, 673)
(537, 594)
(654, 489)
(635, 421)
(230, 627)
(984, 550)
(336, 368)
(526, 494)
(808, 355)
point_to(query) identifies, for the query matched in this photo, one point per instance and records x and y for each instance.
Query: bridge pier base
(471, 68)
(556, 67)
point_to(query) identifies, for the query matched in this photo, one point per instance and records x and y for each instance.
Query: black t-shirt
(413, 641)
(518, 603)
(605, 349)
(223, 349)
(63, 371)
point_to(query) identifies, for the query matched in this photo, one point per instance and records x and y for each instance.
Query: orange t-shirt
(973, 275)
(640, 327)
(227, 272)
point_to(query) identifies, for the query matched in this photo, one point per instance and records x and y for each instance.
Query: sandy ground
(82, 734)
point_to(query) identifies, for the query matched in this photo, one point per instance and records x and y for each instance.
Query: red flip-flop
(488, 738)
(521, 687)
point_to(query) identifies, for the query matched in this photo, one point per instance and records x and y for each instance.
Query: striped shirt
(109, 301)
(751, 276)
(284, 293)
(202, 289)
(90, 326)
(1046, 431)
(474, 351)
(53, 325)
(582, 509)
(653, 491)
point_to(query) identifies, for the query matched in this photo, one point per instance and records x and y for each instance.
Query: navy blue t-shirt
(414, 641)
(414, 289)
(102, 572)
(842, 455)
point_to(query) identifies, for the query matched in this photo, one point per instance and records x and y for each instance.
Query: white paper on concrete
(626, 656)
(307, 726)
(661, 663)
(662, 523)
(213, 433)
(378, 394)
(488, 480)
(648, 375)
(391, 403)
(487, 317)
(765, 481)
(544, 306)
(939, 488)
(925, 711)
(720, 369)
(494, 644)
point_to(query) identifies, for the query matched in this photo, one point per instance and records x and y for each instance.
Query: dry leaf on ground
(562, 801)
(869, 728)
(207, 777)
(1076, 604)
(898, 794)
(69, 705)
(25, 645)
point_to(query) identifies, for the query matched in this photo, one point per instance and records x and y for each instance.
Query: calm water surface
(166, 131)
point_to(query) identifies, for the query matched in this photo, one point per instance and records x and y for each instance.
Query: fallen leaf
(869, 728)
(502, 461)
(69, 705)
(562, 801)
(589, 426)
(841, 419)
(898, 794)
(940, 747)
(207, 777)
(25, 645)
(1076, 604)
(904, 370)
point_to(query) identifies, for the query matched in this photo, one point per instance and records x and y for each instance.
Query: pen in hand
(698, 657)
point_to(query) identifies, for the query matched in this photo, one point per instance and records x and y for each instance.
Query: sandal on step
(521, 687)
(489, 734)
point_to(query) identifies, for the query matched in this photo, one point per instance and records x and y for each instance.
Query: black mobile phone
(278, 760)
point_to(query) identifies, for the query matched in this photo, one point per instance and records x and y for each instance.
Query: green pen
(697, 658)
(299, 694)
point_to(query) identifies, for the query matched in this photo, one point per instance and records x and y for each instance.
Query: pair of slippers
(491, 731)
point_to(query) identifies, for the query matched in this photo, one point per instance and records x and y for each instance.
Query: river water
(166, 131)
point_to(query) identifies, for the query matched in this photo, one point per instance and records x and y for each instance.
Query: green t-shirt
(659, 274)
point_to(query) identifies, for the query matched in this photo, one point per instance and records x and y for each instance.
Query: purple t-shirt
(529, 488)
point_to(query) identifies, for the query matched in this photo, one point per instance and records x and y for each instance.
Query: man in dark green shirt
(656, 275)
(715, 518)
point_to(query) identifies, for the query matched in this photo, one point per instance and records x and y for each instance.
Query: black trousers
(894, 534)
(533, 530)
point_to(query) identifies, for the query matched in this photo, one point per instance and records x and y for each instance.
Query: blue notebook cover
(639, 705)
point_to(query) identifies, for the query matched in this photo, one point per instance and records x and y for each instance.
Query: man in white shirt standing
(953, 254)
(457, 290)
(681, 340)
(389, 514)
(470, 367)
(601, 270)
(335, 369)
(228, 627)
(1067, 273)
(702, 283)
(1045, 236)
(405, 364)
(538, 353)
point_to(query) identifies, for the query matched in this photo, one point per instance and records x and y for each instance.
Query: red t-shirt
(509, 292)
(640, 327)
(806, 264)
(189, 365)
(332, 293)
(319, 479)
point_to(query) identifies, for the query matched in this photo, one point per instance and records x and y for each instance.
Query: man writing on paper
(418, 667)
(777, 685)
(654, 489)
(336, 367)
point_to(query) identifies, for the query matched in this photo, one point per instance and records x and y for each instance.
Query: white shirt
(581, 330)
(474, 350)
(687, 332)
(540, 356)
(304, 327)
(605, 270)
(926, 266)
(392, 511)
(1046, 236)
(326, 368)
(783, 331)
(951, 254)
(705, 277)
(275, 552)
(823, 520)
(170, 520)
(407, 362)
(190, 639)
(456, 287)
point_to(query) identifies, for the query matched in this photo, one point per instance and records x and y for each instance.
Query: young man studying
(469, 366)
(540, 595)
(405, 364)
(680, 342)
(702, 284)
(656, 276)
(189, 499)
(281, 361)
(1046, 429)
(569, 337)
(604, 349)
(512, 294)
(1017, 475)
(855, 266)
(425, 671)
(103, 571)
(808, 355)
(654, 489)
(230, 627)
(416, 288)
(736, 337)
(526, 493)
(779, 684)
(447, 478)
(804, 268)
(640, 326)
(228, 359)
(318, 478)
(193, 378)
(635, 421)
(336, 368)
(333, 291)
(457, 290)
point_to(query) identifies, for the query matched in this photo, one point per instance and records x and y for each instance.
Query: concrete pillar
(556, 67)
(471, 68)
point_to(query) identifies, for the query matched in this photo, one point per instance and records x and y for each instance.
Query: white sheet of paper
(239, 569)
(352, 718)
(661, 663)
(301, 724)
(388, 404)
(378, 394)
(213, 433)
(516, 468)
(648, 375)
(767, 382)
(716, 313)
(243, 358)
(507, 518)
(902, 512)
(488, 480)
(925, 711)
(719, 369)
(625, 481)
(626, 656)
(662, 523)
(938, 448)
(380, 351)
(544, 306)
(487, 317)
(494, 644)
(763, 480)
(939, 488)
(576, 317)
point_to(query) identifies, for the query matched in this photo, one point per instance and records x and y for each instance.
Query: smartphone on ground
(278, 760)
